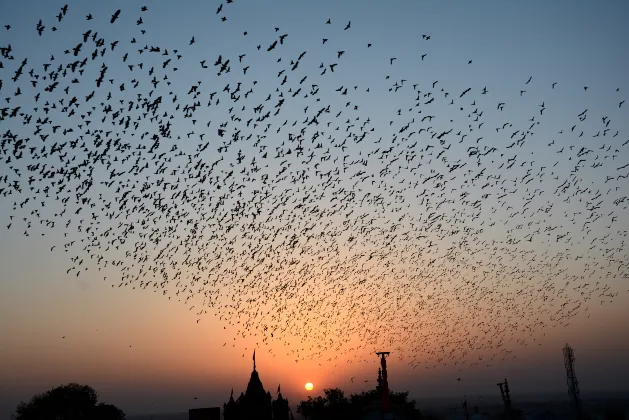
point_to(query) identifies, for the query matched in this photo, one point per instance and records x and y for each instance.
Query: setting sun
(309, 386)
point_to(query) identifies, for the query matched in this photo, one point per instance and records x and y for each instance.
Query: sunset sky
(148, 354)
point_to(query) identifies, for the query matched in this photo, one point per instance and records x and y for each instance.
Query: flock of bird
(285, 210)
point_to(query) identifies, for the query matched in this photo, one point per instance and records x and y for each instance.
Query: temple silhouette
(256, 403)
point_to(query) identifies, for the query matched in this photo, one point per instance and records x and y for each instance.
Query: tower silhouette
(571, 379)
(506, 396)
(385, 383)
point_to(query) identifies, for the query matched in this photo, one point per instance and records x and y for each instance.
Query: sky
(148, 354)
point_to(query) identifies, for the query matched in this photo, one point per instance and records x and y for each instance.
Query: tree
(334, 405)
(67, 402)
(108, 412)
(313, 408)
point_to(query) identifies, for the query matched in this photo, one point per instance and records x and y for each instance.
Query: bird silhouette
(297, 205)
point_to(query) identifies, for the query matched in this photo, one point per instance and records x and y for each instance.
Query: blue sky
(573, 43)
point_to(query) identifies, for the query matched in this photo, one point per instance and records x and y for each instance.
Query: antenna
(571, 378)
(506, 397)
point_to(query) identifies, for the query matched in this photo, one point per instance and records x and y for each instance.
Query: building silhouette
(212, 413)
(256, 403)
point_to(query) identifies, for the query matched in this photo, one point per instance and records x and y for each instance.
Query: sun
(309, 386)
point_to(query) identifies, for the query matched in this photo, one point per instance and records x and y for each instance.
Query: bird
(254, 191)
(115, 16)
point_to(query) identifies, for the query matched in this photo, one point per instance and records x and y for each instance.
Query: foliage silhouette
(335, 406)
(67, 402)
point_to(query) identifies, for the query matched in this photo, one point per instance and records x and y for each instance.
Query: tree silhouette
(334, 405)
(67, 402)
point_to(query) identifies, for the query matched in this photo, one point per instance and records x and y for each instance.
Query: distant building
(213, 413)
(256, 403)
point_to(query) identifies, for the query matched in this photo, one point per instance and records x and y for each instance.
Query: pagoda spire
(254, 359)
